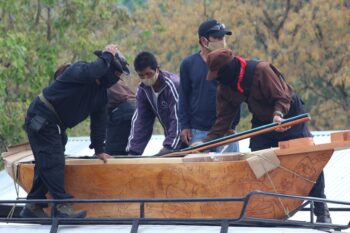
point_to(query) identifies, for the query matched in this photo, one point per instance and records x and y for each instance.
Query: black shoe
(67, 211)
(324, 219)
(32, 211)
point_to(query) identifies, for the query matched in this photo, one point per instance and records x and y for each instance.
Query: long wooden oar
(239, 136)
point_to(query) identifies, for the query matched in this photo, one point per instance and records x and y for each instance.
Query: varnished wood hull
(179, 178)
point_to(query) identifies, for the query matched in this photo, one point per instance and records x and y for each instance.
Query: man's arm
(88, 72)
(98, 121)
(275, 90)
(172, 140)
(226, 110)
(184, 102)
(141, 125)
(184, 96)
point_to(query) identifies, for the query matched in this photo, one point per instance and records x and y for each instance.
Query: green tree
(307, 40)
(38, 36)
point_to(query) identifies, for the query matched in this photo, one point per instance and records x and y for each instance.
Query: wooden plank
(242, 135)
(299, 142)
(14, 149)
(340, 136)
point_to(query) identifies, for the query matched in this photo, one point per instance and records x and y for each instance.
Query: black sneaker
(67, 211)
(324, 219)
(32, 211)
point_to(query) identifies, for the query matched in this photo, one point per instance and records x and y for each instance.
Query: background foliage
(307, 40)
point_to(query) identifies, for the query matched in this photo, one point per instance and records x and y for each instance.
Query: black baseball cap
(213, 28)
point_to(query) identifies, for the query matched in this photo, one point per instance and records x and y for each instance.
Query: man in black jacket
(79, 91)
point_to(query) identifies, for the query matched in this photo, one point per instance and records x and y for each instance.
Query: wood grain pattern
(224, 176)
(188, 180)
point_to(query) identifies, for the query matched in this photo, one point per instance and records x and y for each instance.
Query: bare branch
(48, 23)
(318, 33)
(267, 21)
(38, 13)
(285, 16)
(205, 8)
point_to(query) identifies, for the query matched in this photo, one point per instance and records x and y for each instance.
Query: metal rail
(135, 222)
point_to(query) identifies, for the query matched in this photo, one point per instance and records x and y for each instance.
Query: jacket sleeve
(172, 139)
(275, 89)
(184, 98)
(141, 125)
(236, 118)
(98, 121)
(87, 72)
(226, 109)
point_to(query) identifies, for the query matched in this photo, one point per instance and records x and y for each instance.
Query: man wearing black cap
(269, 98)
(197, 95)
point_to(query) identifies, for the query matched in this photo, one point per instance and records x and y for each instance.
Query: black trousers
(271, 139)
(48, 146)
(118, 128)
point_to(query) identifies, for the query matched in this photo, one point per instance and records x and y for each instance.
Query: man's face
(213, 43)
(146, 73)
(148, 76)
(215, 39)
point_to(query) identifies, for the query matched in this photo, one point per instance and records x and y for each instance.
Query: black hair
(145, 59)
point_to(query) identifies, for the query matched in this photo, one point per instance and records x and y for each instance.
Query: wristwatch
(278, 113)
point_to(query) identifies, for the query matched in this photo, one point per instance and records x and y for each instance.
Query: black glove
(119, 62)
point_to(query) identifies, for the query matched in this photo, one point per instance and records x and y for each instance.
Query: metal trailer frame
(242, 220)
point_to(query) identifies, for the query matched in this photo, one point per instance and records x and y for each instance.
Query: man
(197, 95)
(79, 91)
(156, 97)
(269, 98)
(121, 107)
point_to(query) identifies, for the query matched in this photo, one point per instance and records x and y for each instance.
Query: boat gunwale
(336, 145)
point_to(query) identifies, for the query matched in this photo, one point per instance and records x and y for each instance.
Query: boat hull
(189, 180)
(204, 176)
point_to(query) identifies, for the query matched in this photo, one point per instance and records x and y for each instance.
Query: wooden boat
(293, 169)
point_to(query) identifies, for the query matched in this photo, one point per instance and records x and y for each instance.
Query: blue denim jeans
(197, 135)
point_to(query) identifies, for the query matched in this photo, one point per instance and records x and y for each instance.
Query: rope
(286, 169)
(285, 209)
(224, 148)
(14, 168)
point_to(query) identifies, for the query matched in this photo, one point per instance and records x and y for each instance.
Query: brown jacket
(119, 93)
(268, 93)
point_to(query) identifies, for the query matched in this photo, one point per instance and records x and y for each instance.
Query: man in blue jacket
(79, 91)
(197, 95)
(157, 97)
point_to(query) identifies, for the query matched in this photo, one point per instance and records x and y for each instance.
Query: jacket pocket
(37, 123)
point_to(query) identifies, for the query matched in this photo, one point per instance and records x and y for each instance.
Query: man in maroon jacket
(121, 107)
(269, 98)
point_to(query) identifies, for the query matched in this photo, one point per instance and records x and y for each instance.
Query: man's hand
(186, 136)
(111, 48)
(163, 151)
(103, 157)
(196, 143)
(278, 119)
